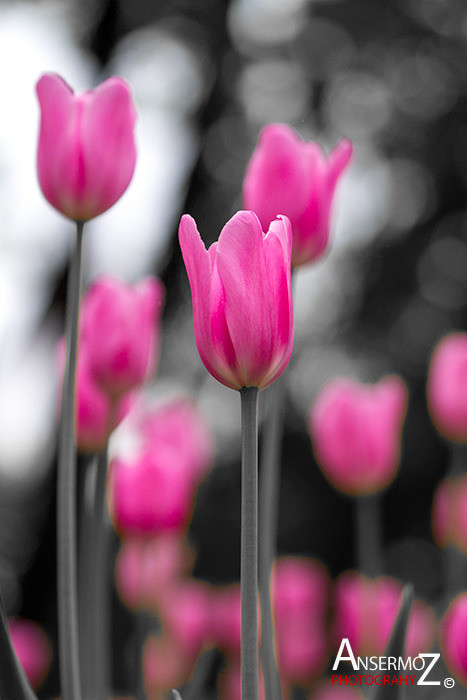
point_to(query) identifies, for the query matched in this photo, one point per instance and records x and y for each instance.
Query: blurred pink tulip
(453, 638)
(242, 299)
(147, 569)
(119, 327)
(300, 602)
(32, 648)
(97, 414)
(447, 387)
(449, 513)
(177, 422)
(226, 618)
(365, 612)
(151, 493)
(336, 692)
(185, 611)
(289, 176)
(164, 666)
(86, 154)
(230, 682)
(356, 433)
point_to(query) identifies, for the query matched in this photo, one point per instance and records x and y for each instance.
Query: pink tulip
(449, 513)
(150, 493)
(226, 618)
(447, 387)
(366, 610)
(86, 154)
(32, 648)
(300, 598)
(242, 300)
(146, 570)
(336, 692)
(230, 682)
(164, 666)
(177, 422)
(97, 414)
(293, 177)
(356, 433)
(185, 611)
(120, 329)
(453, 638)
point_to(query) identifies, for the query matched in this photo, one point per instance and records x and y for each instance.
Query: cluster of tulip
(243, 324)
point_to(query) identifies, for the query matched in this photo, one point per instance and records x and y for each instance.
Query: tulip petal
(198, 267)
(107, 122)
(248, 303)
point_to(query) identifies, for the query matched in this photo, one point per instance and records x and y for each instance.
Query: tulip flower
(289, 176)
(449, 513)
(356, 432)
(86, 154)
(300, 598)
(151, 493)
(447, 387)
(366, 610)
(32, 648)
(177, 422)
(242, 300)
(146, 569)
(120, 330)
(453, 638)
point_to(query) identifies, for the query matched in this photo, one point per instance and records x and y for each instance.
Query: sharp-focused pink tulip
(151, 493)
(366, 610)
(453, 638)
(242, 299)
(32, 648)
(147, 569)
(356, 433)
(293, 177)
(449, 513)
(177, 422)
(120, 329)
(447, 387)
(300, 603)
(86, 154)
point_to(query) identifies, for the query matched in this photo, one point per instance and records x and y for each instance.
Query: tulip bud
(242, 299)
(356, 433)
(120, 329)
(447, 387)
(86, 153)
(453, 638)
(289, 176)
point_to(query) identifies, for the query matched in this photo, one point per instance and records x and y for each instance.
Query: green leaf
(13, 681)
(396, 646)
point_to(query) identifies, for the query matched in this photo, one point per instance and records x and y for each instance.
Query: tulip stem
(66, 492)
(369, 547)
(249, 545)
(269, 507)
(99, 594)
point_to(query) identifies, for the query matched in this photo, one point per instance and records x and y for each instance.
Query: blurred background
(206, 76)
